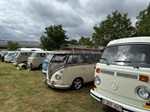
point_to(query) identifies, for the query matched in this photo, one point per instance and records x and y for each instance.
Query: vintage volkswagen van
(4, 53)
(72, 67)
(21, 57)
(122, 75)
(8, 56)
(36, 59)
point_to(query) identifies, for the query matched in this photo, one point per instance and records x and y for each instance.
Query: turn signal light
(143, 78)
(98, 70)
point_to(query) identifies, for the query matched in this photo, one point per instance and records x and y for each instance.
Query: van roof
(29, 49)
(40, 51)
(78, 51)
(142, 39)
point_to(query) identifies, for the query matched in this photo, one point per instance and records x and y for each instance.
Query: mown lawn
(24, 91)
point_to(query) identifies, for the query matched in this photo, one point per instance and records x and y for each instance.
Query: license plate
(111, 104)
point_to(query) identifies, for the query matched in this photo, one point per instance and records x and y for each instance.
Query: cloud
(27, 19)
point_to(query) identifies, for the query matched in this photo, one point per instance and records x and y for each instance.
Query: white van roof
(40, 51)
(29, 49)
(142, 39)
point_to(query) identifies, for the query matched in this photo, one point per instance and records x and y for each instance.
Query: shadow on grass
(109, 109)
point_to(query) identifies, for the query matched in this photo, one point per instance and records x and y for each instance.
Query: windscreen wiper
(106, 60)
(123, 61)
(126, 62)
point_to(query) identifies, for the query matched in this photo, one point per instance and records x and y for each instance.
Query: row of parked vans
(120, 73)
(65, 68)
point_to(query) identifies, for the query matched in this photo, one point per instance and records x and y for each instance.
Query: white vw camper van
(122, 76)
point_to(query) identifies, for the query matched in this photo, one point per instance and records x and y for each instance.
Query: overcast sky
(25, 20)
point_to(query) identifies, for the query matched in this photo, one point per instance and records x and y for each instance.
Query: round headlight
(143, 93)
(57, 76)
(97, 80)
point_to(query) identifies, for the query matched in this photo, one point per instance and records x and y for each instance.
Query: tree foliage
(114, 27)
(54, 37)
(85, 41)
(143, 22)
(12, 46)
(73, 42)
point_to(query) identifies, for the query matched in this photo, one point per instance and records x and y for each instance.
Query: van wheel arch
(77, 83)
(24, 67)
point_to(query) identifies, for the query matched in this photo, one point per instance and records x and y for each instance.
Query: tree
(114, 27)
(12, 46)
(54, 38)
(85, 41)
(143, 22)
(73, 42)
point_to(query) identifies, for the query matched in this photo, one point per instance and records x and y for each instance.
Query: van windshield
(59, 58)
(127, 55)
(49, 56)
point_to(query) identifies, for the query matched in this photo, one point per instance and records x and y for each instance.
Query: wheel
(77, 83)
(24, 67)
(40, 66)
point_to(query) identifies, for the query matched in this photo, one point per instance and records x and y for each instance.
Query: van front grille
(106, 72)
(127, 75)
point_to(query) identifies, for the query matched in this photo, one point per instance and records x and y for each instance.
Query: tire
(24, 67)
(40, 66)
(77, 83)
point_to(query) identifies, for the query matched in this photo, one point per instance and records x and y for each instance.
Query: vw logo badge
(114, 85)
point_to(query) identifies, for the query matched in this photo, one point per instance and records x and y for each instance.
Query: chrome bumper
(53, 85)
(126, 108)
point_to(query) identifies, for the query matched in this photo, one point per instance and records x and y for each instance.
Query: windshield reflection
(127, 55)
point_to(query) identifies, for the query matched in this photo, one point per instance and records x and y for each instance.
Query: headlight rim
(57, 76)
(140, 96)
(96, 79)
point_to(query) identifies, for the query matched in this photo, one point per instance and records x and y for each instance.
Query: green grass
(24, 91)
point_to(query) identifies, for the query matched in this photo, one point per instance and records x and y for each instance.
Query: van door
(75, 68)
(89, 68)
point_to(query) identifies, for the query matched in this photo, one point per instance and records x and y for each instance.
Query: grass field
(24, 91)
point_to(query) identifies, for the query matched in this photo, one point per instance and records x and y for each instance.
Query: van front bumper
(125, 107)
(54, 85)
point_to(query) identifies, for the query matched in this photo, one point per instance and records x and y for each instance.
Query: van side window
(96, 57)
(25, 54)
(38, 55)
(73, 59)
(30, 53)
(21, 54)
(88, 58)
(42, 54)
(59, 58)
